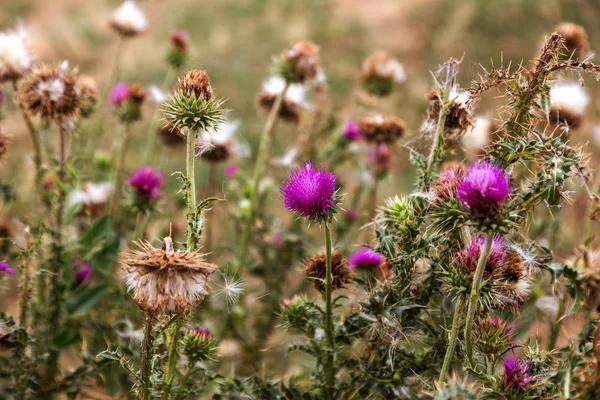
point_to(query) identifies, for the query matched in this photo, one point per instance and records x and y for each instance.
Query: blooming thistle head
(366, 258)
(128, 20)
(299, 64)
(192, 106)
(118, 94)
(568, 101)
(15, 57)
(51, 93)
(5, 268)
(83, 269)
(380, 73)
(166, 280)
(484, 188)
(379, 129)
(493, 336)
(147, 182)
(231, 170)
(352, 132)
(517, 374)
(293, 104)
(199, 345)
(575, 41)
(315, 271)
(311, 193)
(178, 53)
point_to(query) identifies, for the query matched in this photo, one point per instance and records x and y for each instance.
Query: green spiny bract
(199, 345)
(183, 111)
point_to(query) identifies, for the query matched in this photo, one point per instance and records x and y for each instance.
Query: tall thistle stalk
(259, 168)
(145, 366)
(329, 313)
(192, 239)
(33, 132)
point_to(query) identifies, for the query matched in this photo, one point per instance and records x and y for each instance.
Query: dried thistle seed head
(136, 94)
(166, 280)
(568, 101)
(128, 20)
(380, 72)
(170, 136)
(294, 101)
(300, 64)
(15, 57)
(289, 111)
(459, 117)
(5, 139)
(315, 270)
(51, 93)
(379, 129)
(575, 40)
(196, 83)
(446, 184)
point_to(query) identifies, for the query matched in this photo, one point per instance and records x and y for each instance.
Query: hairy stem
(259, 166)
(21, 372)
(483, 257)
(33, 132)
(172, 359)
(192, 240)
(328, 314)
(453, 338)
(210, 191)
(146, 358)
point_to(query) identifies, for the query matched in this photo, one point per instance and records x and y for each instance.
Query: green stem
(555, 327)
(453, 338)
(21, 372)
(483, 257)
(210, 192)
(328, 314)
(192, 239)
(259, 167)
(33, 133)
(172, 360)
(120, 152)
(146, 358)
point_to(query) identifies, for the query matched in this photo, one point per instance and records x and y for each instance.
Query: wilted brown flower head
(215, 153)
(289, 111)
(166, 280)
(7, 229)
(136, 94)
(85, 86)
(378, 129)
(51, 93)
(314, 269)
(48, 181)
(446, 184)
(380, 72)
(458, 119)
(171, 136)
(304, 56)
(5, 138)
(196, 83)
(588, 263)
(575, 39)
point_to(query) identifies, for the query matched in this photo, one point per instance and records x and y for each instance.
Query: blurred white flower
(128, 19)
(392, 67)
(286, 160)
(570, 97)
(15, 57)
(156, 94)
(478, 136)
(296, 93)
(92, 197)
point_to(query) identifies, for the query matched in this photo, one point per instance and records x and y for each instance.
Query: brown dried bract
(5, 139)
(86, 87)
(381, 130)
(196, 83)
(51, 93)
(289, 111)
(315, 270)
(136, 93)
(217, 152)
(376, 64)
(575, 39)
(165, 280)
(458, 118)
(305, 56)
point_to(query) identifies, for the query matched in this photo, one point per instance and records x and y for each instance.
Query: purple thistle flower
(231, 170)
(365, 258)
(147, 181)
(468, 258)
(180, 39)
(83, 270)
(517, 373)
(118, 94)
(6, 268)
(484, 187)
(352, 132)
(351, 214)
(202, 332)
(310, 192)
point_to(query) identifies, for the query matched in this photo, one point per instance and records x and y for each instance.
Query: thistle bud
(178, 53)
(575, 40)
(199, 345)
(381, 159)
(299, 64)
(380, 73)
(297, 312)
(492, 336)
(398, 214)
(314, 269)
(88, 91)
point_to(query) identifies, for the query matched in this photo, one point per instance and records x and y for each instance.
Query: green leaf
(71, 212)
(101, 227)
(66, 338)
(86, 298)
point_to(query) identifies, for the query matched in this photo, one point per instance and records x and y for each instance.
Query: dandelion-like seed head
(379, 129)
(484, 188)
(15, 57)
(51, 93)
(315, 271)
(231, 289)
(166, 280)
(147, 182)
(365, 258)
(128, 20)
(311, 193)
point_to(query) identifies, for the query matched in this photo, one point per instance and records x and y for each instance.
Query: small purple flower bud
(147, 181)
(83, 270)
(517, 373)
(6, 268)
(118, 95)
(381, 158)
(231, 170)
(180, 39)
(202, 332)
(352, 132)
(365, 258)
(310, 192)
(484, 187)
(351, 214)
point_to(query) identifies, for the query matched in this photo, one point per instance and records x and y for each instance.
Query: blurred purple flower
(147, 181)
(203, 332)
(231, 170)
(365, 258)
(484, 187)
(118, 94)
(4, 267)
(352, 132)
(381, 158)
(180, 39)
(310, 192)
(83, 270)
(351, 214)
(517, 373)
